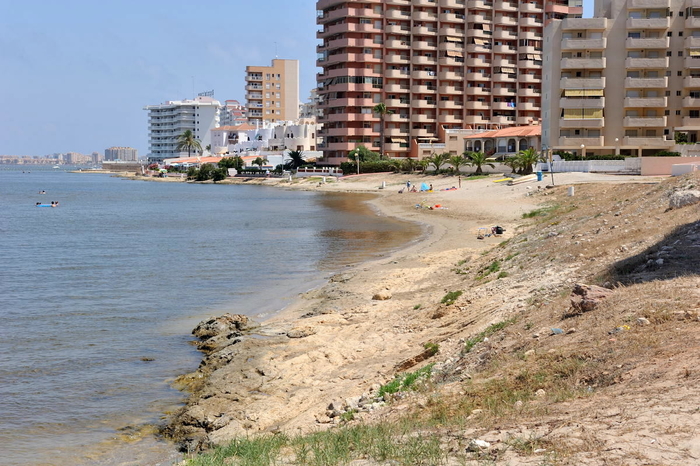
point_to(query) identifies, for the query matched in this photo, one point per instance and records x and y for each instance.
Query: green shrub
(666, 153)
(406, 381)
(451, 297)
(369, 167)
(432, 348)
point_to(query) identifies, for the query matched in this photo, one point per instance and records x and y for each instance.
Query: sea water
(98, 295)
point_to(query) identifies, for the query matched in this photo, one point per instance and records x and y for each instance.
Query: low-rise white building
(169, 120)
(269, 137)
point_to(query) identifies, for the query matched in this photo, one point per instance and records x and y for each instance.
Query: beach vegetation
(490, 330)
(188, 142)
(451, 297)
(477, 160)
(457, 162)
(438, 160)
(431, 348)
(417, 306)
(406, 381)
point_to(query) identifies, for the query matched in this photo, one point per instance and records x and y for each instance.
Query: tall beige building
(435, 64)
(625, 81)
(272, 92)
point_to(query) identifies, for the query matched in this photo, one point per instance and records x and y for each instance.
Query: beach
(344, 339)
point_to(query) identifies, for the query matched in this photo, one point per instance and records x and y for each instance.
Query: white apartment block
(293, 135)
(124, 154)
(169, 120)
(625, 81)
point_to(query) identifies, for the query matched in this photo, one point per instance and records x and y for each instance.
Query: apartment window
(680, 53)
(680, 13)
(694, 114)
(678, 112)
(680, 33)
(669, 53)
(678, 93)
(695, 94)
(680, 73)
(667, 112)
(267, 76)
(667, 93)
(669, 34)
(666, 132)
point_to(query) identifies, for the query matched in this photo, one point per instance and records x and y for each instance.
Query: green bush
(451, 297)
(666, 153)
(405, 381)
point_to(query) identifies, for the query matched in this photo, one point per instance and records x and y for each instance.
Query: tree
(478, 160)
(296, 160)
(680, 137)
(382, 111)
(231, 162)
(438, 160)
(458, 161)
(260, 161)
(205, 172)
(409, 164)
(208, 148)
(526, 159)
(219, 174)
(362, 154)
(423, 164)
(187, 141)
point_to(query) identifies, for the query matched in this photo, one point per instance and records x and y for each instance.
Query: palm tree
(382, 111)
(477, 159)
(438, 160)
(187, 141)
(526, 159)
(458, 161)
(208, 148)
(260, 161)
(296, 159)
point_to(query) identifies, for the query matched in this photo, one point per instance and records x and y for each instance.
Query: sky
(76, 74)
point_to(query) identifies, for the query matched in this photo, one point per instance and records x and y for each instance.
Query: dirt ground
(615, 385)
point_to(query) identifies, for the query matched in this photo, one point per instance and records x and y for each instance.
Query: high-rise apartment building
(272, 92)
(169, 120)
(435, 64)
(625, 81)
(124, 154)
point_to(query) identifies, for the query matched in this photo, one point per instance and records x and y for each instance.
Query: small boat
(56, 167)
(46, 205)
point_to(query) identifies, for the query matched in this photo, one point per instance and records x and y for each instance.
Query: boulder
(301, 332)
(222, 325)
(586, 298)
(684, 198)
(382, 296)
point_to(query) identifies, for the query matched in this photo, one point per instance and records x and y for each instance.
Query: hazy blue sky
(75, 74)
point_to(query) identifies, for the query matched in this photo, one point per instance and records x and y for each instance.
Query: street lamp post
(617, 146)
(549, 156)
(583, 151)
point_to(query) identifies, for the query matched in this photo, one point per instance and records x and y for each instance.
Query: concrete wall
(663, 165)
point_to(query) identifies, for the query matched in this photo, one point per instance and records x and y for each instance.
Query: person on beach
(431, 187)
(408, 185)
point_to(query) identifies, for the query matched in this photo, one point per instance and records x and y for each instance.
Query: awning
(573, 93)
(453, 54)
(453, 39)
(507, 70)
(478, 41)
(583, 93)
(694, 53)
(486, 27)
(400, 140)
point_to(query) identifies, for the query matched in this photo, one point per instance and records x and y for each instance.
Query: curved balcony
(424, 16)
(504, 91)
(450, 119)
(529, 78)
(506, 21)
(478, 91)
(505, 34)
(582, 63)
(530, 22)
(398, 44)
(506, 5)
(398, 28)
(450, 75)
(478, 77)
(397, 88)
(396, 117)
(404, 74)
(529, 107)
(451, 90)
(422, 89)
(423, 60)
(476, 119)
(396, 103)
(530, 92)
(578, 141)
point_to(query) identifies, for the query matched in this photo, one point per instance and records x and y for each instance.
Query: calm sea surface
(121, 272)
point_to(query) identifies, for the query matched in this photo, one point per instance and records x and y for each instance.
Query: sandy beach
(346, 338)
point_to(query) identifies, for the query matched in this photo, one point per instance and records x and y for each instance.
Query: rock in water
(225, 324)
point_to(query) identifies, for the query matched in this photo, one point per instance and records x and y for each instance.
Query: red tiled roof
(515, 131)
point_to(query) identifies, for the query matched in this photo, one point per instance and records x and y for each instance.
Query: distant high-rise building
(169, 120)
(626, 81)
(124, 154)
(434, 64)
(312, 107)
(272, 92)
